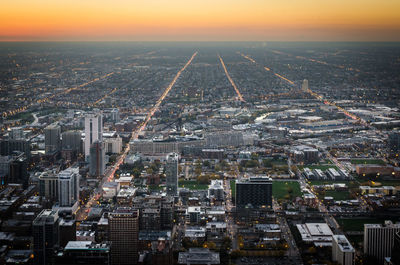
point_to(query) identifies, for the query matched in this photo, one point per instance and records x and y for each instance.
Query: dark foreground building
(254, 191)
(124, 230)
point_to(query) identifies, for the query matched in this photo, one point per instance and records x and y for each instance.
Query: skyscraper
(71, 140)
(115, 115)
(48, 185)
(396, 249)
(45, 236)
(16, 133)
(171, 172)
(8, 147)
(124, 229)
(342, 251)
(256, 191)
(97, 159)
(52, 138)
(68, 186)
(379, 240)
(394, 141)
(304, 85)
(93, 130)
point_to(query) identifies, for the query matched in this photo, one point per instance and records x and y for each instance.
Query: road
(66, 91)
(83, 212)
(230, 223)
(231, 80)
(316, 61)
(312, 93)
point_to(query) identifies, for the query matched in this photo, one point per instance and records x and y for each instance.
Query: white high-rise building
(216, 190)
(342, 251)
(171, 172)
(93, 130)
(68, 187)
(304, 86)
(379, 240)
(113, 145)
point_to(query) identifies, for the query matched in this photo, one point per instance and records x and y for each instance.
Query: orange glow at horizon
(242, 20)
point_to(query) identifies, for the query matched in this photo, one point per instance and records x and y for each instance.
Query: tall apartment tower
(304, 85)
(379, 240)
(115, 117)
(171, 172)
(68, 187)
(123, 226)
(396, 249)
(71, 140)
(93, 130)
(45, 236)
(256, 191)
(97, 164)
(48, 185)
(52, 138)
(394, 141)
(16, 133)
(342, 251)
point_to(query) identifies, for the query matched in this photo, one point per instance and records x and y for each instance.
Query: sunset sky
(203, 20)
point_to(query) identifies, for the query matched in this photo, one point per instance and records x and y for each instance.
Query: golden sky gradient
(191, 20)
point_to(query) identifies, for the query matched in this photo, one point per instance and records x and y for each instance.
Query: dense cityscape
(200, 153)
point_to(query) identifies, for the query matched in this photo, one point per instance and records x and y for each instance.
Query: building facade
(342, 251)
(68, 186)
(93, 130)
(171, 172)
(379, 240)
(45, 236)
(123, 232)
(254, 191)
(52, 140)
(97, 164)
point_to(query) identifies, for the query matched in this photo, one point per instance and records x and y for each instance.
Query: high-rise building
(304, 85)
(256, 191)
(395, 259)
(171, 172)
(113, 145)
(155, 212)
(115, 115)
(16, 133)
(52, 138)
(342, 251)
(68, 186)
(97, 164)
(378, 240)
(71, 140)
(14, 169)
(93, 130)
(84, 252)
(48, 185)
(45, 236)
(216, 190)
(394, 142)
(8, 147)
(123, 226)
(67, 231)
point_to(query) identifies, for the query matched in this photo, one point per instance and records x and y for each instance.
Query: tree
(210, 245)
(198, 170)
(203, 179)
(136, 172)
(206, 163)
